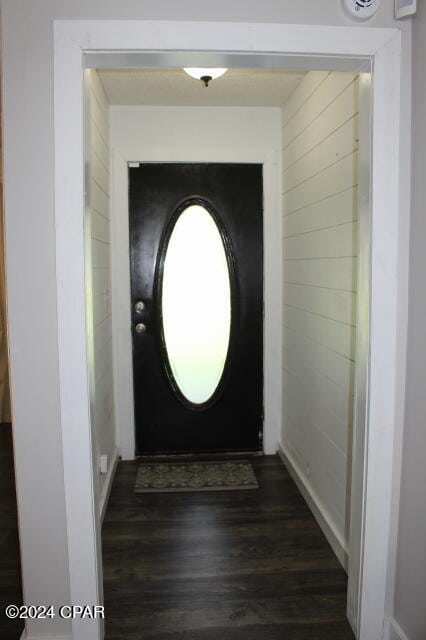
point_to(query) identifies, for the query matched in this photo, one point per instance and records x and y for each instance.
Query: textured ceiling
(173, 87)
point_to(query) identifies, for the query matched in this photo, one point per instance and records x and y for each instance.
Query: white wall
(27, 66)
(195, 129)
(320, 140)
(201, 134)
(409, 612)
(99, 317)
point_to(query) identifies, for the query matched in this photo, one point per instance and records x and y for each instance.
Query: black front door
(197, 319)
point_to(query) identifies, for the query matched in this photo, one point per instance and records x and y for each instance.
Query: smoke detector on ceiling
(361, 9)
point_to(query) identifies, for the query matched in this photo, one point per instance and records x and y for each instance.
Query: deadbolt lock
(139, 306)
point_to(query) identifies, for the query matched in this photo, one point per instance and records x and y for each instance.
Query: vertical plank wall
(100, 323)
(320, 123)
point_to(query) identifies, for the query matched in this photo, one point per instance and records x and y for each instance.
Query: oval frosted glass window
(196, 304)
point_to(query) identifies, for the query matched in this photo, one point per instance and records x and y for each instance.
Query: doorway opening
(308, 141)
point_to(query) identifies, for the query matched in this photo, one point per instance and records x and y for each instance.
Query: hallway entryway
(220, 564)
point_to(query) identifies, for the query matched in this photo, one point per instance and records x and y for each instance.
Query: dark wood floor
(10, 569)
(226, 565)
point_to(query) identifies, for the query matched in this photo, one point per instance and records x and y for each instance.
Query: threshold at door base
(199, 456)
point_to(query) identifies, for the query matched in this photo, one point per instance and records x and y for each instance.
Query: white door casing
(123, 373)
(298, 45)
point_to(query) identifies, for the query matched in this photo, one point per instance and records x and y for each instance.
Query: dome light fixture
(205, 74)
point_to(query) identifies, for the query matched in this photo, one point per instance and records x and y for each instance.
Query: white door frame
(306, 46)
(121, 299)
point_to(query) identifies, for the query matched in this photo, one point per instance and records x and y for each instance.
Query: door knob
(140, 327)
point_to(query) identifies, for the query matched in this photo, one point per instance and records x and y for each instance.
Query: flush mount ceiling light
(204, 74)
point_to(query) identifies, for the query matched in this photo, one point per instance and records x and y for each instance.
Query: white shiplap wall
(100, 324)
(320, 140)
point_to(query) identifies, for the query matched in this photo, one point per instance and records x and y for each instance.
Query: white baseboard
(393, 631)
(320, 514)
(109, 478)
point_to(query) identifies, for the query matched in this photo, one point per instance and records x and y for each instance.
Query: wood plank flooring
(10, 567)
(228, 565)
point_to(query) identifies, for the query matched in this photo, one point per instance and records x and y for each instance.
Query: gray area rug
(160, 477)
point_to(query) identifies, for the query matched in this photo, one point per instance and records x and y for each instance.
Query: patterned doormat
(160, 477)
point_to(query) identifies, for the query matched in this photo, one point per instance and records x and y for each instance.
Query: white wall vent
(361, 9)
(404, 8)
